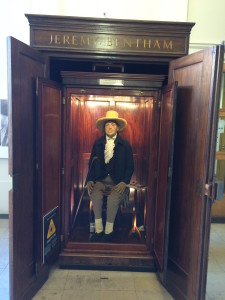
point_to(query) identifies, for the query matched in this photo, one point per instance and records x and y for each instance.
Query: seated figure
(111, 167)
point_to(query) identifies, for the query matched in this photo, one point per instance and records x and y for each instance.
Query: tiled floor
(216, 265)
(101, 285)
(4, 259)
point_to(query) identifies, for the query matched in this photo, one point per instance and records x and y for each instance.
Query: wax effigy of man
(111, 167)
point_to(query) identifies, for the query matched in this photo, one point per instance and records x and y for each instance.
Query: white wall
(210, 23)
(5, 185)
(161, 10)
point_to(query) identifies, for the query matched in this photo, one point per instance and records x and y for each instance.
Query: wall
(210, 23)
(161, 10)
(5, 184)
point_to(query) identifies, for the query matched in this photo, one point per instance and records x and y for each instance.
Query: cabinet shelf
(220, 155)
(222, 112)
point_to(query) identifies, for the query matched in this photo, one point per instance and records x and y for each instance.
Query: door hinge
(169, 172)
(37, 166)
(63, 100)
(152, 241)
(36, 269)
(62, 171)
(199, 187)
(36, 86)
(156, 174)
(61, 237)
(214, 190)
(159, 104)
(208, 190)
(15, 182)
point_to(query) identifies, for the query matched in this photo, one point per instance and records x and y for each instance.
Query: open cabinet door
(199, 78)
(48, 165)
(24, 65)
(164, 176)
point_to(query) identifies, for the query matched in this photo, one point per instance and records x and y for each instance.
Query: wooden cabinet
(51, 137)
(218, 207)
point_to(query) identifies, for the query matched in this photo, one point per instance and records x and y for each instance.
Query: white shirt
(109, 148)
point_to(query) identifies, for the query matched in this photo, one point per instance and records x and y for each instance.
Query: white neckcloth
(109, 148)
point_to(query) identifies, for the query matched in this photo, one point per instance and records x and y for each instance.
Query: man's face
(111, 128)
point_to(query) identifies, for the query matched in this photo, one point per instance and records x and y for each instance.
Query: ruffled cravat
(109, 148)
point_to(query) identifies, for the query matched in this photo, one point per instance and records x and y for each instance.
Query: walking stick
(84, 188)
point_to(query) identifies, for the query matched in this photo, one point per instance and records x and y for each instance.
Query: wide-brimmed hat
(111, 115)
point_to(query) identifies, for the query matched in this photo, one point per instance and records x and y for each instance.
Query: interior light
(115, 82)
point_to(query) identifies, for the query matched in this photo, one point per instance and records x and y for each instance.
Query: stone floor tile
(80, 282)
(153, 296)
(116, 274)
(215, 283)
(147, 275)
(81, 295)
(48, 295)
(213, 265)
(4, 252)
(4, 280)
(74, 273)
(145, 284)
(58, 273)
(117, 283)
(118, 295)
(216, 295)
(4, 293)
(56, 284)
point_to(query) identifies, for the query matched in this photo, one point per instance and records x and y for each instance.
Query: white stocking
(98, 225)
(108, 228)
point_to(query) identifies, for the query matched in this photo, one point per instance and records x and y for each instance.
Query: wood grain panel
(24, 64)
(165, 161)
(136, 110)
(49, 162)
(187, 113)
(51, 139)
(194, 157)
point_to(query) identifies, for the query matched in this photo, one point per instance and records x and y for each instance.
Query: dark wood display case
(75, 70)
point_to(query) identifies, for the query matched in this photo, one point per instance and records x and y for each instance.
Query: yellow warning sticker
(51, 229)
(50, 234)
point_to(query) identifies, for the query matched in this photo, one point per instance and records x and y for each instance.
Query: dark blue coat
(120, 167)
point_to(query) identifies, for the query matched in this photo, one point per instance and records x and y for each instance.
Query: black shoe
(107, 238)
(97, 237)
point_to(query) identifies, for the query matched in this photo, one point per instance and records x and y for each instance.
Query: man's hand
(90, 186)
(120, 187)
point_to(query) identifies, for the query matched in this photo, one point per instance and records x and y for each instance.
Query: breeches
(101, 189)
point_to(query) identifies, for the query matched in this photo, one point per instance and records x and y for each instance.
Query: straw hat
(111, 115)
